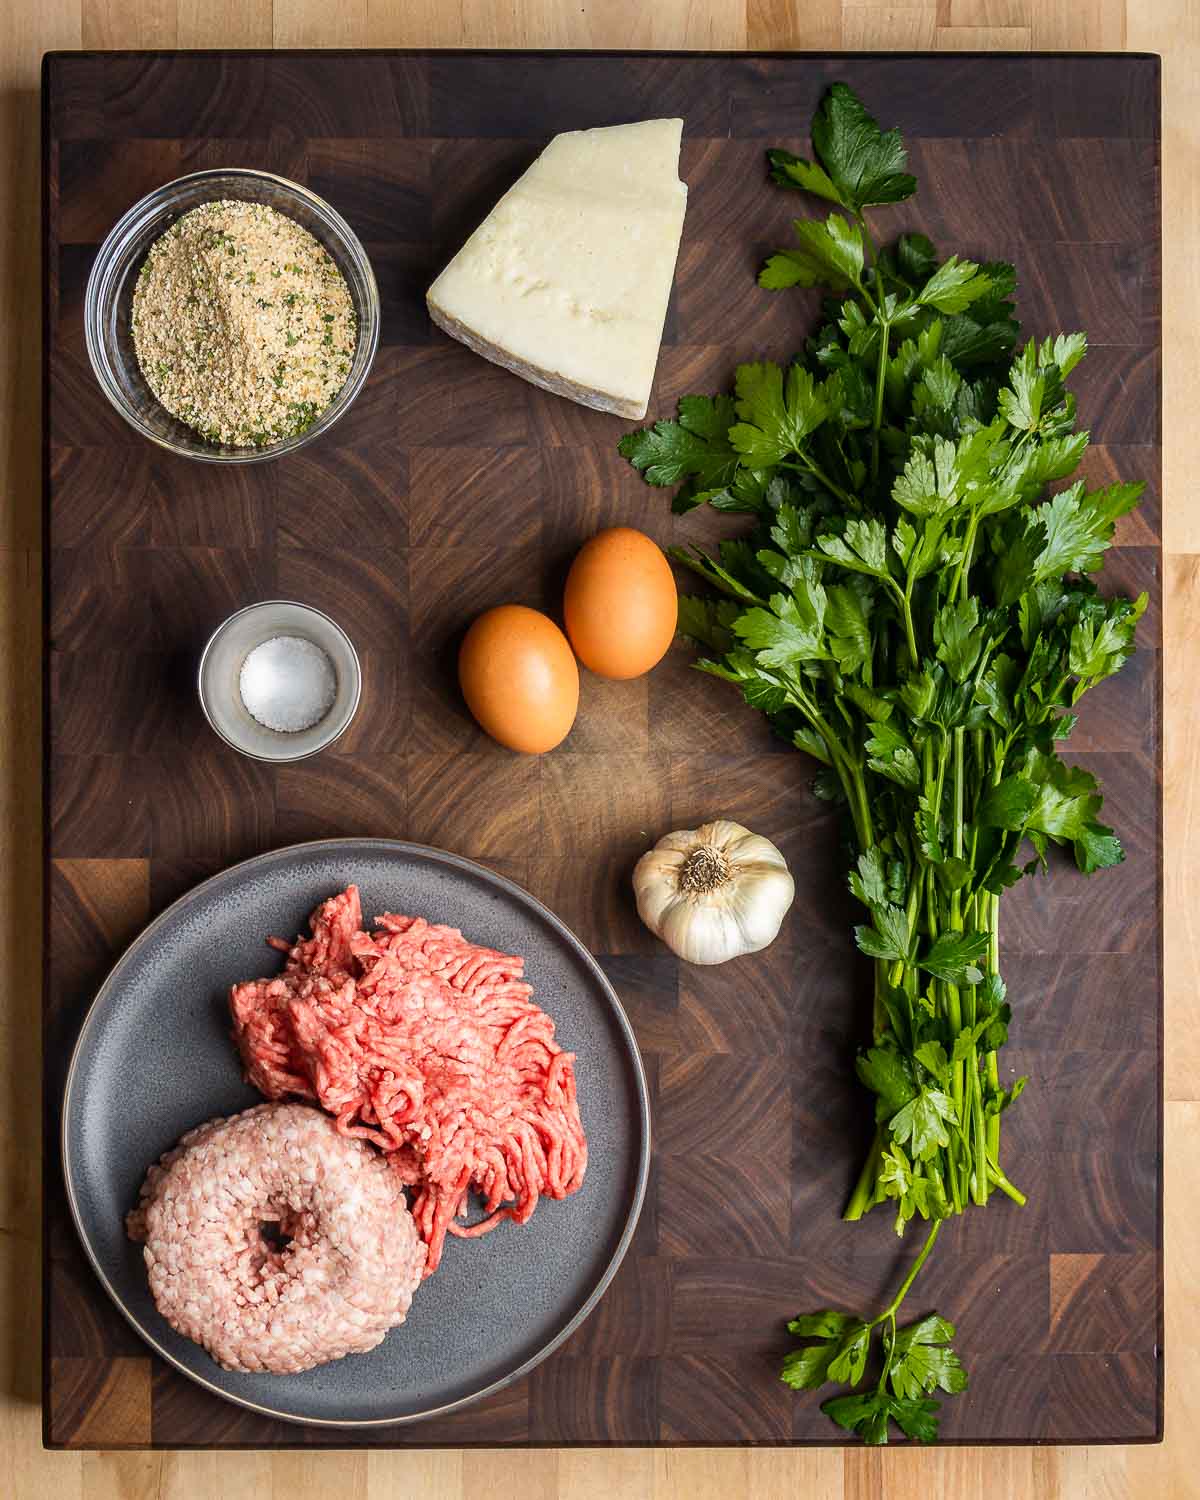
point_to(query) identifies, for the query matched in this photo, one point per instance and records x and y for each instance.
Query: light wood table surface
(30, 27)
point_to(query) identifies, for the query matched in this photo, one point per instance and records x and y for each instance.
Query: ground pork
(346, 1277)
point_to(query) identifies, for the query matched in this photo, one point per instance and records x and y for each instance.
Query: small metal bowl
(108, 304)
(218, 679)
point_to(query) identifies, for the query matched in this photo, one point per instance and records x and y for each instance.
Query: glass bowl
(109, 302)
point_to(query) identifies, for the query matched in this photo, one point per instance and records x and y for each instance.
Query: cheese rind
(566, 282)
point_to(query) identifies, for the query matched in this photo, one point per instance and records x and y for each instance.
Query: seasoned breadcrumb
(243, 325)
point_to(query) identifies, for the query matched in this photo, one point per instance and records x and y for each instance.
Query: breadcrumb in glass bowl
(108, 305)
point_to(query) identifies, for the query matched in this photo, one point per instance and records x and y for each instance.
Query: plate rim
(407, 849)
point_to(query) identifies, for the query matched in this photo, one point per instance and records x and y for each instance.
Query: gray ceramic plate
(154, 1058)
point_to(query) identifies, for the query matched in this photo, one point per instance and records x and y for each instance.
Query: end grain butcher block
(451, 486)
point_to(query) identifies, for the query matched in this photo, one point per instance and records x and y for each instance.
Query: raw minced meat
(346, 1277)
(432, 1048)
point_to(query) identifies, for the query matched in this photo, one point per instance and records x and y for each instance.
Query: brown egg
(519, 678)
(620, 604)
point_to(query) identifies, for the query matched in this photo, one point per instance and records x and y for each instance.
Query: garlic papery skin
(713, 893)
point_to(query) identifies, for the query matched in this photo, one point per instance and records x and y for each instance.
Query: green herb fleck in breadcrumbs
(238, 368)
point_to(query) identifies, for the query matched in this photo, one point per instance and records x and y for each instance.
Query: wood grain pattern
(107, 1401)
(1104, 1473)
(456, 487)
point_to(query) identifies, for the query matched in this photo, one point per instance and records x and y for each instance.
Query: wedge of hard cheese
(567, 279)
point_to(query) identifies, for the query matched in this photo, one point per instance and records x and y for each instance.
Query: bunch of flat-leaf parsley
(916, 612)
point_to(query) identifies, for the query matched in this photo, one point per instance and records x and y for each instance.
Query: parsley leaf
(827, 1324)
(861, 547)
(923, 1361)
(848, 622)
(889, 937)
(1078, 527)
(954, 286)
(781, 635)
(868, 1416)
(694, 447)
(850, 1360)
(1097, 848)
(1102, 640)
(891, 755)
(806, 1368)
(865, 164)
(956, 637)
(776, 416)
(1064, 350)
(1021, 403)
(898, 1180)
(868, 880)
(917, 1419)
(840, 1355)
(791, 171)
(829, 254)
(889, 1076)
(932, 1057)
(1007, 804)
(921, 1123)
(709, 622)
(1061, 814)
(915, 256)
(1053, 458)
(930, 481)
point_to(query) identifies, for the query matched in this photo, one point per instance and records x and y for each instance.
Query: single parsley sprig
(913, 610)
(916, 1360)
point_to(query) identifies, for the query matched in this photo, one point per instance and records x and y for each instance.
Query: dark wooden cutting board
(451, 486)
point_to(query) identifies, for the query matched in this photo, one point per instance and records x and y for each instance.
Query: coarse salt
(287, 684)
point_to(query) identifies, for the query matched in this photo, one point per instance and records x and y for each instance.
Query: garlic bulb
(714, 892)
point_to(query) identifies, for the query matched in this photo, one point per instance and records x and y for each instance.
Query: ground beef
(432, 1048)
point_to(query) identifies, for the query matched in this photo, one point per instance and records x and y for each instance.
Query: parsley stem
(959, 735)
(961, 577)
(880, 378)
(879, 1019)
(863, 1196)
(849, 773)
(889, 1349)
(914, 656)
(807, 466)
(867, 239)
(941, 775)
(966, 1070)
(894, 1306)
(991, 1062)
(888, 1315)
(980, 1179)
(997, 1176)
(868, 831)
